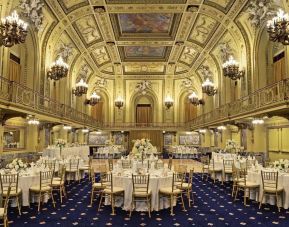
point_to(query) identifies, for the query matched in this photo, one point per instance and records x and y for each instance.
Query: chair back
(62, 172)
(50, 164)
(159, 165)
(110, 164)
(92, 175)
(73, 164)
(191, 175)
(9, 181)
(228, 165)
(126, 164)
(106, 179)
(45, 179)
(250, 163)
(269, 179)
(140, 183)
(178, 179)
(170, 164)
(241, 175)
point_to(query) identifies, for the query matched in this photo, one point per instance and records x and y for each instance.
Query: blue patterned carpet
(213, 207)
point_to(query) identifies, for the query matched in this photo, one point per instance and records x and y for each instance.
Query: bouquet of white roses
(60, 143)
(142, 145)
(17, 164)
(281, 164)
(231, 145)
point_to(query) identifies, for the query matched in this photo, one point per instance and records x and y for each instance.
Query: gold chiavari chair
(173, 192)
(250, 163)
(50, 164)
(245, 185)
(187, 187)
(4, 209)
(170, 164)
(110, 190)
(181, 168)
(110, 164)
(11, 181)
(205, 160)
(58, 184)
(126, 164)
(236, 179)
(213, 170)
(228, 167)
(270, 187)
(97, 188)
(73, 169)
(86, 167)
(141, 191)
(44, 187)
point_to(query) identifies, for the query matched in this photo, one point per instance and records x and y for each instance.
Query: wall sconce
(32, 120)
(257, 121)
(169, 102)
(119, 102)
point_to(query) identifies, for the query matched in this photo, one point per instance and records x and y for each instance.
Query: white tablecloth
(81, 151)
(156, 182)
(283, 181)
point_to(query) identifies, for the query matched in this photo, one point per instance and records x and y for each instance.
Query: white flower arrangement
(141, 145)
(108, 142)
(60, 143)
(231, 145)
(17, 164)
(281, 164)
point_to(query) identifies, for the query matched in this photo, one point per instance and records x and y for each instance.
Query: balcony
(273, 99)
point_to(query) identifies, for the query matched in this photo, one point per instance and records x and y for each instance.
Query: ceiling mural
(126, 37)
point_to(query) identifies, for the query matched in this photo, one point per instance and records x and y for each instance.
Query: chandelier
(257, 121)
(278, 28)
(85, 130)
(169, 102)
(81, 88)
(67, 127)
(195, 100)
(58, 69)
(231, 69)
(12, 30)
(221, 128)
(93, 100)
(118, 102)
(208, 88)
(32, 120)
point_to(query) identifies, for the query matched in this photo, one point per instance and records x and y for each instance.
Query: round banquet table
(283, 181)
(157, 180)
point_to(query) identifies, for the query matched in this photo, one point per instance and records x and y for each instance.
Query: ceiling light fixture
(12, 30)
(208, 88)
(81, 88)
(67, 127)
(231, 69)
(257, 121)
(58, 69)
(169, 102)
(32, 120)
(195, 100)
(93, 100)
(119, 102)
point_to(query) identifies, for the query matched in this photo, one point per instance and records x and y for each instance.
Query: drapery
(190, 111)
(143, 113)
(156, 137)
(279, 67)
(14, 71)
(96, 111)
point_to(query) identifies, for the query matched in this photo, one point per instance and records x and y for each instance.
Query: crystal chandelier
(231, 69)
(58, 69)
(32, 120)
(208, 88)
(12, 30)
(93, 100)
(195, 100)
(118, 102)
(169, 102)
(80, 88)
(278, 28)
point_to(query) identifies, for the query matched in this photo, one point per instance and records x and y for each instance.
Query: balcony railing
(273, 96)
(23, 97)
(143, 126)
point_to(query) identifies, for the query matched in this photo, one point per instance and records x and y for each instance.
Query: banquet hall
(144, 113)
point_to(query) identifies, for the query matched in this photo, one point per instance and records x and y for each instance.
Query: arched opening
(144, 111)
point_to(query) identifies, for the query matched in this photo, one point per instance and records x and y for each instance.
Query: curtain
(279, 68)
(14, 71)
(96, 111)
(156, 137)
(190, 111)
(143, 114)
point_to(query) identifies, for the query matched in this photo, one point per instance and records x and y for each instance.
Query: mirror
(14, 138)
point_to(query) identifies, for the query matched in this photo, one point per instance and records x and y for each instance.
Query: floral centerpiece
(108, 142)
(141, 146)
(60, 143)
(17, 164)
(231, 146)
(281, 164)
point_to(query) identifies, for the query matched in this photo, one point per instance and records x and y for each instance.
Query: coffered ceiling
(143, 37)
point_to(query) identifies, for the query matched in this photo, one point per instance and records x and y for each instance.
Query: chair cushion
(56, 179)
(215, 169)
(57, 183)
(12, 193)
(142, 194)
(205, 166)
(1, 212)
(168, 191)
(273, 190)
(185, 186)
(36, 188)
(98, 185)
(84, 168)
(249, 184)
(115, 190)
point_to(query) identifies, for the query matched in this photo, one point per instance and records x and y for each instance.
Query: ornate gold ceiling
(138, 38)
